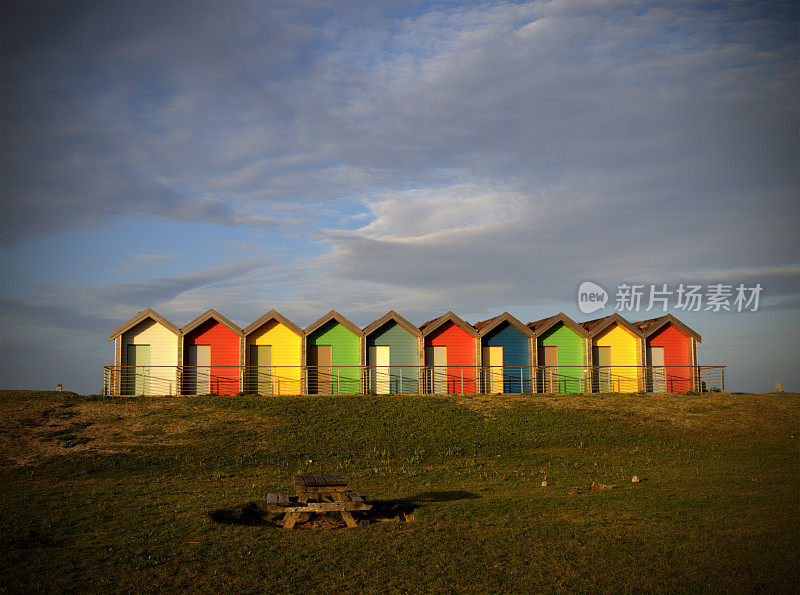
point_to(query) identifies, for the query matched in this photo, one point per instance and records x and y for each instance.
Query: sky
(478, 157)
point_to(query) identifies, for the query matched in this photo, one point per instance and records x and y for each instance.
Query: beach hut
(562, 354)
(273, 354)
(616, 354)
(145, 356)
(393, 348)
(333, 355)
(670, 354)
(506, 354)
(211, 346)
(451, 355)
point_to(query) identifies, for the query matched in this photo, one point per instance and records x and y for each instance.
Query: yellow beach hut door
(657, 373)
(602, 363)
(260, 369)
(379, 356)
(198, 381)
(493, 362)
(138, 371)
(436, 355)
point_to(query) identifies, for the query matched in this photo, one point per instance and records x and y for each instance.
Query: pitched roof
(144, 315)
(486, 326)
(545, 324)
(598, 325)
(430, 326)
(332, 315)
(273, 314)
(651, 325)
(208, 315)
(391, 315)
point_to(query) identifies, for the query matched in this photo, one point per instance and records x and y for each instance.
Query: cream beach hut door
(138, 371)
(379, 356)
(602, 369)
(198, 359)
(657, 373)
(320, 373)
(436, 356)
(493, 362)
(548, 359)
(260, 369)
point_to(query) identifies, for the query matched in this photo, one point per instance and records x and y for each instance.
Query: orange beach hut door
(198, 381)
(656, 372)
(137, 377)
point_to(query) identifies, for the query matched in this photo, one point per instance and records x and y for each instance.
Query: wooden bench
(317, 494)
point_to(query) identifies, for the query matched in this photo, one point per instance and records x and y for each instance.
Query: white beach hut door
(198, 359)
(379, 356)
(436, 356)
(656, 372)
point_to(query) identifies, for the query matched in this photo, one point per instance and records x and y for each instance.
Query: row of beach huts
(446, 355)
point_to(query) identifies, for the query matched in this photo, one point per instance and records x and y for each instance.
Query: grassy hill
(118, 494)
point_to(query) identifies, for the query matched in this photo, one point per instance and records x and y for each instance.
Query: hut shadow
(248, 515)
(403, 508)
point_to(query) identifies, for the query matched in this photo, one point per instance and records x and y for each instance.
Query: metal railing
(410, 380)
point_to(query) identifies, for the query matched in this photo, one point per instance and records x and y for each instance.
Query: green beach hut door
(379, 356)
(602, 370)
(260, 369)
(138, 370)
(199, 372)
(437, 359)
(656, 373)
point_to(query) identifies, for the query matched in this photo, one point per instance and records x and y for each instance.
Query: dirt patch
(592, 487)
(32, 430)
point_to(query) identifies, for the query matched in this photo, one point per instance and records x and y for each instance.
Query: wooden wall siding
(626, 350)
(286, 351)
(163, 352)
(515, 354)
(224, 355)
(346, 351)
(460, 352)
(571, 352)
(403, 352)
(677, 352)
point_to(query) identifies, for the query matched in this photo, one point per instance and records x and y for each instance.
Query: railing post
(462, 380)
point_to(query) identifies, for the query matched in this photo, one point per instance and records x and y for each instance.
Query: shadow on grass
(253, 515)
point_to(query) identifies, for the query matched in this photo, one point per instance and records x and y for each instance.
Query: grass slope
(169, 493)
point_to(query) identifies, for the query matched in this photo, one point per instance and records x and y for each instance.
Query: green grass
(166, 493)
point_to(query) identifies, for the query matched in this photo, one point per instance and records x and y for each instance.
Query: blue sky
(478, 157)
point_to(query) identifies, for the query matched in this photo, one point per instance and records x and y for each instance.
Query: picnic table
(317, 494)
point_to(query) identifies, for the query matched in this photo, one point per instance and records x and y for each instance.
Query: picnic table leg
(346, 515)
(303, 517)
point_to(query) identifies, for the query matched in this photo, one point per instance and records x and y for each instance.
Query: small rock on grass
(635, 479)
(544, 484)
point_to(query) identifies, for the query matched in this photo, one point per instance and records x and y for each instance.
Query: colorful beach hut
(393, 348)
(145, 356)
(273, 356)
(506, 354)
(670, 354)
(211, 346)
(562, 354)
(616, 355)
(451, 355)
(333, 356)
